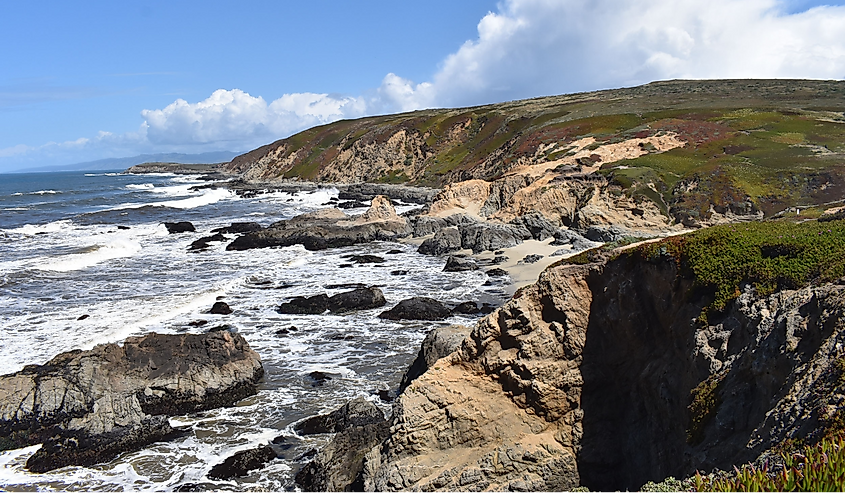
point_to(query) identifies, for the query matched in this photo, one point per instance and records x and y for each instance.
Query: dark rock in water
(352, 204)
(191, 487)
(417, 308)
(221, 328)
(487, 308)
(197, 323)
(117, 398)
(319, 377)
(83, 317)
(444, 241)
(349, 285)
(344, 266)
(364, 259)
(357, 299)
(340, 464)
(302, 305)
(220, 308)
(122, 227)
(398, 273)
(357, 412)
(426, 225)
(203, 242)
(459, 264)
(531, 259)
(537, 225)
(438, 343)
(385, 395)
(393, 252)
(284, 332)
(180, 227)
(239, 464)
(497, 272)
(466, 308)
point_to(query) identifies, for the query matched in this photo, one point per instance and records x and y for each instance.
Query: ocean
(86, 260)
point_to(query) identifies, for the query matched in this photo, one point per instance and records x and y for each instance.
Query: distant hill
(126, 162)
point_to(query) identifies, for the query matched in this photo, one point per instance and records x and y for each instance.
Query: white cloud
(540, 47)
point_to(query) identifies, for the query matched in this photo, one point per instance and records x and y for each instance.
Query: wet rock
(364, 259)
(393, 252)
(286, 331)
(466, 308)
(319, 378)
(499, 259)
(245, 227)
(348, 285)
(220, 328)
(352, 204)
(88, 406)
(417, 308)
(203, 243)
(305, 305)
(239, 464)
(122, 227)
(357, 299)
(340, 464)
(83, 317)
(399, 273)
(438, 343)
(459, 264)
(497, 272)
(197, 323)
(530, 259)
(180, 227)
(357, 412)
(444, 241)
(220, 308)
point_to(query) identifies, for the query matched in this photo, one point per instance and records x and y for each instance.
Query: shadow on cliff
(643, 356)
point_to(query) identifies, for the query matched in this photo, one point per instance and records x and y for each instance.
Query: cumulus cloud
(541, 47)
(235, 117)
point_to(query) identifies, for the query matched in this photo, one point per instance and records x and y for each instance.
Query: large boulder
(357, 299)
(459, 264)
(246, 227)
(444, 241)
(484, 236)
(180, 227)
(329, 228)
(357, 412)
(417, 308)
(88, 406)
(537, 225)
(240, 463)
(426, 225)
(305, 305)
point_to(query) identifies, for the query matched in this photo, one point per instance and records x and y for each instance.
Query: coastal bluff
(88, 406)
(604, 374)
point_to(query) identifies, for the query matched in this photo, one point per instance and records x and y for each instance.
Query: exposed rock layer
(87, 406)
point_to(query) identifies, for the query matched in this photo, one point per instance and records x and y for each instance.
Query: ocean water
(76, 244)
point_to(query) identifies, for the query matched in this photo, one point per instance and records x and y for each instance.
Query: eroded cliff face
(600, 375)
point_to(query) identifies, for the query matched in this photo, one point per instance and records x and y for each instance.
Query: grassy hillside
(751, 145)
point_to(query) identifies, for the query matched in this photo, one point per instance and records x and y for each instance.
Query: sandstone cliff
(605, 374)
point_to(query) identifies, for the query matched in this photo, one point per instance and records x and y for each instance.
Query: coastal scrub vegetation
(769, 256)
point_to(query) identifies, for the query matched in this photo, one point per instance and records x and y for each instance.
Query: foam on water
(163, 287)
(93, 255)
(140, 186)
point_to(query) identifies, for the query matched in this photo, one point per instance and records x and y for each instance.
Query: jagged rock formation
(600, 375)
(327, 228)
(88, 406)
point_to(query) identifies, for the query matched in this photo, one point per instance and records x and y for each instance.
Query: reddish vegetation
(694, 132)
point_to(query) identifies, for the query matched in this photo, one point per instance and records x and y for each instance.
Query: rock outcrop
(357, 412)
(417, 308)
(438, 343)
(601, 375)
(328, 228)
(88, 406)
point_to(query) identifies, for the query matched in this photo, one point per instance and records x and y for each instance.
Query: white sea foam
(94, 255)
(32, 229)
(140, 186)
(206, 197)
(16, 209)
(44, 192)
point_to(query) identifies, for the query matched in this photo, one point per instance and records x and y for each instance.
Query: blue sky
(84, 81)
